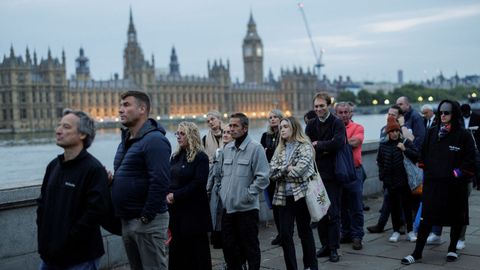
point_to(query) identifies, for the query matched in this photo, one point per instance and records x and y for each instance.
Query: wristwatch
(145, 220)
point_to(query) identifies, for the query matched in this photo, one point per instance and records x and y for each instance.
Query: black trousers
(329, 226)
(400, 204)
(240, 239)
(423, 232)
(190, 252)
(291, 212)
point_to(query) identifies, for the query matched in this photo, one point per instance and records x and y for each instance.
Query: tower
(135, 67)
(174, 65)
(252, 54)
(82, 68)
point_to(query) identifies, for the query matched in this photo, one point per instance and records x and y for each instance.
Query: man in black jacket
(73, 200)
(327, 134)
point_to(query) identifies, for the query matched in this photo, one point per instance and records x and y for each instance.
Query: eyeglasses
(445, 112)
(179, 133)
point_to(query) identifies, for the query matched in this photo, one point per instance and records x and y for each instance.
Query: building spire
(174, 65)
(132, 33)
(12, 53)
(27, 56)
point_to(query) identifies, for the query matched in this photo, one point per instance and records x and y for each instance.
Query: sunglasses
(445, 112)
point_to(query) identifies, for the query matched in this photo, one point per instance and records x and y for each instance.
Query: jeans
(329, 226)
(88, 265)
(240, 239)
(352, 209)
(297, 211)
(145, 243)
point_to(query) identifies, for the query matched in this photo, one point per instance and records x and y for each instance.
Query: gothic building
(33, 94)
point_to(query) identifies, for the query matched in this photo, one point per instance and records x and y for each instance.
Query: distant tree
(347, 96)
(364, 98)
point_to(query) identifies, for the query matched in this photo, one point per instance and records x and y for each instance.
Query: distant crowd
(171, 208)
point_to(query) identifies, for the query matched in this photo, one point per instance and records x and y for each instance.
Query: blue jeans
(88, 265)
(352, 208)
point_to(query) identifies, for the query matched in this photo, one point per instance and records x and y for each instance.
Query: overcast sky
(367, 40)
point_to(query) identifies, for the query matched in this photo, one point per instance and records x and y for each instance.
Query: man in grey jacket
(245, 176)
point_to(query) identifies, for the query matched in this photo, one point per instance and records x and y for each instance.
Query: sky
(366, 40)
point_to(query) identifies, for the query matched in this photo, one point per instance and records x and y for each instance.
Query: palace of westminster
(34, 93)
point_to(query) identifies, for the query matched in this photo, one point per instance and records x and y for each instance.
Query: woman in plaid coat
(291, 168)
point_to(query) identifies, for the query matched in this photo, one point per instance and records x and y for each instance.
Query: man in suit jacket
(471, 120)
(429, 118)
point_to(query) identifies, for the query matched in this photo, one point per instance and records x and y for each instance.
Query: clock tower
(252, 54)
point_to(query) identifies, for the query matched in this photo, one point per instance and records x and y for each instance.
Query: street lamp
(374, 102)
(420, 99)
(430, 98)
(386, 102)
(474, 95)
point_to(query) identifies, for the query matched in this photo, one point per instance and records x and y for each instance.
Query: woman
(269, 142)
(392, 173)
(448, 155)
(190, 219)
(291, 168)
(213, 187)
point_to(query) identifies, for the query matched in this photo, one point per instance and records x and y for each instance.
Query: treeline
(416, 93)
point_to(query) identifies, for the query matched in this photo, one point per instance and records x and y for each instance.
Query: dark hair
(310, 115)
(396, 107)
(86, 126)
(465, 108)
(141, 98)
(456, 114)
(324, 96)
(243, 118)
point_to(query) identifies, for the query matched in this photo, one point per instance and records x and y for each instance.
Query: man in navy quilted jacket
(141, 182)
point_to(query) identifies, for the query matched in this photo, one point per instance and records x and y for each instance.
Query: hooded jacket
(142, 173)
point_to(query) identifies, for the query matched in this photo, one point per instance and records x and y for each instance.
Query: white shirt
(466, 121)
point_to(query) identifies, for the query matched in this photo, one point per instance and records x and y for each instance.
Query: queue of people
(169, 207)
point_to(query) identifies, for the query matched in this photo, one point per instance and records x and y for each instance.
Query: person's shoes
(402, 230)
(452, 256)
(394, 238)
(434, 239)
(366, 208)
(409, 260)
(334, 256)
(411, 237)
(375, 229)
(277, 241)
(345, 240)
(460, 244)
(323, 252)
(357, 244)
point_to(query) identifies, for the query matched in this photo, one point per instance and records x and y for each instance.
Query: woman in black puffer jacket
(394, 177)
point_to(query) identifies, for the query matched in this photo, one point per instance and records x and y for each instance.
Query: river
(23, 160)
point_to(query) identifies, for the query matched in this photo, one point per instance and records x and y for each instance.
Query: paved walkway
(377, 252)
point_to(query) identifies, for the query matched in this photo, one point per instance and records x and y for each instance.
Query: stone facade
(33, 95)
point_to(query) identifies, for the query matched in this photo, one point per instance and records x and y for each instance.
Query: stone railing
(18, 244)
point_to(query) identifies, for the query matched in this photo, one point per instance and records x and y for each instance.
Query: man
(245, 176)
(352, 195)
(429, 119)
(471, 121)
(73, 200)
(141, 182)
(213, 140)
(413, 121)
(327, 134)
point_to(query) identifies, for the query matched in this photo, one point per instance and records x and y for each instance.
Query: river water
(23, 160)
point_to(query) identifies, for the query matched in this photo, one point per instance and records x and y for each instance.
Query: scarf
(211, 145)
(444, 130)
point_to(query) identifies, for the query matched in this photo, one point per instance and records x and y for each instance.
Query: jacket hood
(149, 126)
(456, 114)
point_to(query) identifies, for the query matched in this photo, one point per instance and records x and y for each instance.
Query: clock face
(131, 37)
(259, 51)
(247, 51)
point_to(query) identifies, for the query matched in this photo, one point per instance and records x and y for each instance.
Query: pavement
(377, 252)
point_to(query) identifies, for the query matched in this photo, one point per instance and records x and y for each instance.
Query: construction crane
(318, 55)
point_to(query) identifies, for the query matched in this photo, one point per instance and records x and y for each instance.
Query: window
(23, 113)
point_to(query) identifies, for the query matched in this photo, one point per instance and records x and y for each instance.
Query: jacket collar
(242, 146)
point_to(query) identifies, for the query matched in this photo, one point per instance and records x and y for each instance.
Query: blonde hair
(297, 133)
(278, 114)
(193, 139)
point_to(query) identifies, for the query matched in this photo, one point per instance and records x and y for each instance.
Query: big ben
(253, 54)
